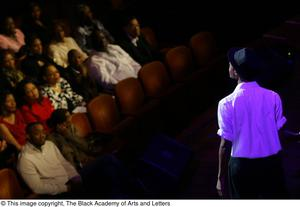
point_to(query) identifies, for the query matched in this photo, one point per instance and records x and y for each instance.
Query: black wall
(175, 21)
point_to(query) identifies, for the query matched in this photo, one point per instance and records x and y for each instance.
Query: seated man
(109, 63)
(46, 171)
(42, 166)
(134, 43)
(86, 25)
(77, 74)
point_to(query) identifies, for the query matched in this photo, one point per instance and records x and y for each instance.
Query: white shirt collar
(244, 85)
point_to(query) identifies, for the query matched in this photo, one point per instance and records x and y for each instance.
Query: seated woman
(34, 106)
(61, 45)
(11, 38)
(109, 63)
(12, 124)
(35, 59)
(59, 91)
(9, 70)
(72, 147)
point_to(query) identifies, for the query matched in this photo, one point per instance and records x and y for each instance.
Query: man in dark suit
(134, 43)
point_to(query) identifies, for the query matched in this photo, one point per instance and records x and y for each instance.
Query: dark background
(233, 22)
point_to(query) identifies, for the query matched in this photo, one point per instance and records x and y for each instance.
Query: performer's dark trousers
(256, 178)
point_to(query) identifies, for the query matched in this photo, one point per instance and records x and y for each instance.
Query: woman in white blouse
(59, 91)
(61, 45)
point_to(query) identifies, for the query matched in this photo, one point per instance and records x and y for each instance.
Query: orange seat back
(9, 185)
(154, 78)
(82, 124)
(130, 95)
(203, 46)
(179, 61)
(103, 113)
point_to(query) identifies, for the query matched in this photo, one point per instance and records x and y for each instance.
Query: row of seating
(165, 96)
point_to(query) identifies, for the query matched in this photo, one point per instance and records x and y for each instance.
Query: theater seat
(154, 78)
(106, 119)
(132, 102)
(180, 62)
(130, 95)
(82, 124)
(203, 47)
(9, 185)
(150, 37)
(157, 85)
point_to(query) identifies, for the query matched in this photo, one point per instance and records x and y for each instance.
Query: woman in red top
(12, 124)
(35, 107)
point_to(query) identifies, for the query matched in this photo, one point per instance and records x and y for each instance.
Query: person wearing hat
(249, 120)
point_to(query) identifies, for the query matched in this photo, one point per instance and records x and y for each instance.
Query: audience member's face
(9, 26)
(37, 135)
(36, 12)
(9, 61)
(59, 33)
(10, 103)
(101, 39)
(31, 92)
(37, 47)
(77, 58)
(133, 28)
(87, 13)
(52, 75)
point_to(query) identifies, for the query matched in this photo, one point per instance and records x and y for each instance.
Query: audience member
(12, 124)
(134, 43)
(34, 106)
(35, 59)
(109, 63)
(11, 38)
(42, 166)
(61, 45)
(36, 24)
(87, 24)
(9, 70)
(63, 135)
(60, 92)
(46, 171)
(77, 74)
